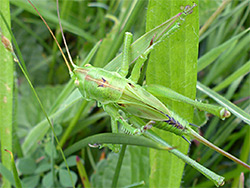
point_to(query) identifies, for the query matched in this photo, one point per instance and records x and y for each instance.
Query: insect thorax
(99, 84)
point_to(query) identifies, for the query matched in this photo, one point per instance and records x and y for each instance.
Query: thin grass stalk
(118, 166)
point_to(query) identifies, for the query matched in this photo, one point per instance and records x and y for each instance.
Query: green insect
(114, 92)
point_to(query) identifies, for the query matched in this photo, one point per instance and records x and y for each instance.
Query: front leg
(136, 71)
(112, 110)
(126, 54)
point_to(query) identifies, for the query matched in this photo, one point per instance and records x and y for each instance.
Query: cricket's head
(71, 64)
(80, 72)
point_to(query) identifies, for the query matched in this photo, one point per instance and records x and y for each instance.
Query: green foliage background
(223, 65)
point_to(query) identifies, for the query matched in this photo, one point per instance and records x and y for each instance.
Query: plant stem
(118, 166)
(214, 16)
(209, 144)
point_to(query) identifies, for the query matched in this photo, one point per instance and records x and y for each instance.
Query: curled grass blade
(111, 138)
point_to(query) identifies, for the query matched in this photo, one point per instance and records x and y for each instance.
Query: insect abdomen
(174, 124)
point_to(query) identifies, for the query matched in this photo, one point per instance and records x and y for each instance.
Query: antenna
(64, 40)
(64, 57)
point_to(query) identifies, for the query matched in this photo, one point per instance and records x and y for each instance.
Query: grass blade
(14, 170)
(118, 166)
(240, 72)
(173, 66)
(6, 94)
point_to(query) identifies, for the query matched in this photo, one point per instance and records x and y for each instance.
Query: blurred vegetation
(85, 23)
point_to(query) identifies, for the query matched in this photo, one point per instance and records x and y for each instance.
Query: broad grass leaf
(173, 64)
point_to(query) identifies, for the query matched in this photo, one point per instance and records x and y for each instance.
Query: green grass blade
(173, 64)
(7, 174)
(73, 123)
(82, 173)
(14, 170)
(15, 43)
(241, 6)
(210, 56)
(134, 169)
(53, 18)
(214, 16)
(9, 47)
(47, 118)
(118, 166)
(238, 73)
(6, 94)
(245, 153)
(114, 39)
(227, 59)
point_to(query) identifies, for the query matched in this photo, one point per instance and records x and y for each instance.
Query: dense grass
(223, 64)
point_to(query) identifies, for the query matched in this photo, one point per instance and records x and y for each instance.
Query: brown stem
(212, 146)
(214, 15)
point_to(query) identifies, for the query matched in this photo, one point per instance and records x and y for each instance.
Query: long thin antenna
(65, 59)
(64, 40)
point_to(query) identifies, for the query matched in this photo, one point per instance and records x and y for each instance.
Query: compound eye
(77, 83)
(87, 65)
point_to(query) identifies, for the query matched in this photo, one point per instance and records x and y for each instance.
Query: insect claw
(194, 125)
(95, 145)
(103, 79)
(100, 85)
(87, 65)
(186, 139)
(148, 125)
